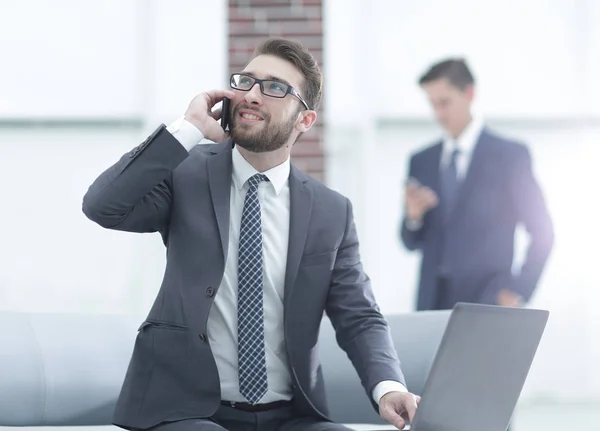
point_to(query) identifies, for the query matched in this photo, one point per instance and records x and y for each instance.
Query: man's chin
(241, 125)
(248, 145)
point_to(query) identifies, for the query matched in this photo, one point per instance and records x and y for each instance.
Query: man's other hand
(508, 298)
(418, 200)
(398, 408)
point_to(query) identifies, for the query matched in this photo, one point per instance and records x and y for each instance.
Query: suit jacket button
(203, 338)
(210, 292)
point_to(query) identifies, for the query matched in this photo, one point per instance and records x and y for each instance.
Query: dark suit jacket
(172, 375)
(498, 191)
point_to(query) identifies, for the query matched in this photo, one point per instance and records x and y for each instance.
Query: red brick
(307, 148)
(296, 27)
(239, 59)
(311, 42)
(309, 163)
(274, 12)
(290, 4)
(241, 51)
(316, 131)
(250, 23)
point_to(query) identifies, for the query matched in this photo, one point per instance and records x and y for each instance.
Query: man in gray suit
(256, 252)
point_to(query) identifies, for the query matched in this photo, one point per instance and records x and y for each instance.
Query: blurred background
(83, 82)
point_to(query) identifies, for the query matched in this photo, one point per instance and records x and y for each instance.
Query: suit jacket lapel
(219, 179)
(436, 161)
(300, 210)
(433, 177)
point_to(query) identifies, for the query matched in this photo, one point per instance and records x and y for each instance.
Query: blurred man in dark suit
(464, 197)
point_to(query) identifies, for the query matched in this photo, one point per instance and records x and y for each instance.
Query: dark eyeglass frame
(290, 90)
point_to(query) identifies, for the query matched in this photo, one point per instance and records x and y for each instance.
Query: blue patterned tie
(252, 368)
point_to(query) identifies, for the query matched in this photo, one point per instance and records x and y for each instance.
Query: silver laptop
(480, 368)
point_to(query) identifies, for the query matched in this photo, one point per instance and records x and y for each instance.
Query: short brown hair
(293, 52)
(454, 70)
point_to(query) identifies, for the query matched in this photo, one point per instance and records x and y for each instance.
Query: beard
(269, 137)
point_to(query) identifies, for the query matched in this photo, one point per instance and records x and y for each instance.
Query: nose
(254, 96)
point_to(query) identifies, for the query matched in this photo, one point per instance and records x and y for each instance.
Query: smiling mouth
(250, 117)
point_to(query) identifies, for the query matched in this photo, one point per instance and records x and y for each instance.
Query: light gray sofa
(66, 369)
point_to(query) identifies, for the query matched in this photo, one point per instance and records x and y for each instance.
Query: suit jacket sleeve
(533, 213)
(135, 193)
(361, 330)
(411, 238)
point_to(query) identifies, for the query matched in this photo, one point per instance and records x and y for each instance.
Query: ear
(470, 92)
(306, 120)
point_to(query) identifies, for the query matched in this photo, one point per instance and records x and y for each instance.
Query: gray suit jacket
(172, 375)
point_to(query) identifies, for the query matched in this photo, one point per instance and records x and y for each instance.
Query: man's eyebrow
(270, 77)
(275, 78)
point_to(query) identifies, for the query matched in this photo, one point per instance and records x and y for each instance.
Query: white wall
(87, 81)
(536, 63)
(517, 48)
(70, 58)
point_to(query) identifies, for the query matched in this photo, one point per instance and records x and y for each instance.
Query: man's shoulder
(505, 144)
(205, 148)
(321, 191)
(427, 151)
(198, 156)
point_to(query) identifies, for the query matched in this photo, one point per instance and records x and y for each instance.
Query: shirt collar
(242, 171)
(467, 139)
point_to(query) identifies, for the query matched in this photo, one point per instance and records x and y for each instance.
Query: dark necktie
(450, 183)
(252, 367)
(449, 188)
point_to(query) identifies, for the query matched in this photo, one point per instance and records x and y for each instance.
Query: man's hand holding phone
(418, 200)
(201, 115)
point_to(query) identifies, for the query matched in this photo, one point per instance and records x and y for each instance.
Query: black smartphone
(225, 114)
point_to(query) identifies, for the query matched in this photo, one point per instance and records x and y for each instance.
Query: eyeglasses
(268, 87)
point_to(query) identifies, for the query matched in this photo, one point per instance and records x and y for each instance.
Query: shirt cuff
(413, 225)
(186, 133)
(385, 387)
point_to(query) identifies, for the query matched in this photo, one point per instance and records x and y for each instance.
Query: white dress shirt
(465, 144)
(274, 198)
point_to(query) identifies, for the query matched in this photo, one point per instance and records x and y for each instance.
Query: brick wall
(251, 21)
